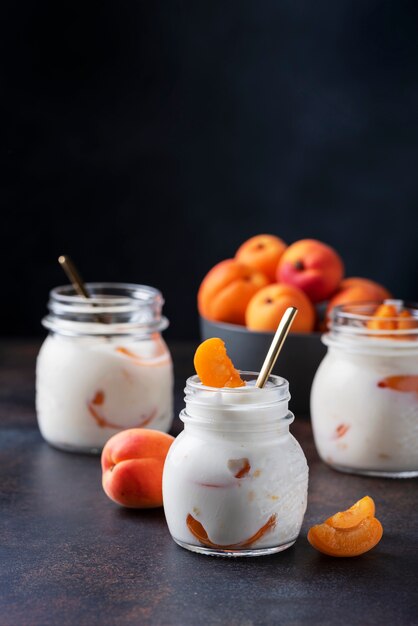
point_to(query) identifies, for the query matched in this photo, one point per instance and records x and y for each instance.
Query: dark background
(149, 139)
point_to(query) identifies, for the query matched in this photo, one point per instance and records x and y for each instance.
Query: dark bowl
(298, 360)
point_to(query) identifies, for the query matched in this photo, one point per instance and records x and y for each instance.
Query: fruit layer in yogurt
(233, 489)
(365, 403)
(91, 387)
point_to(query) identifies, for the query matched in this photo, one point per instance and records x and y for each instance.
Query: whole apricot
(227, 289)
(132, 465)
(262, 253)
(313, 266)
(268, 305)
(357, 289)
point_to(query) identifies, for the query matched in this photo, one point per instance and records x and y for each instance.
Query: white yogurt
(364, 407)
(89, 386)
(235, 480)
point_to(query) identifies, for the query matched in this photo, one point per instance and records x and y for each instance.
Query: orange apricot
(267, 306)
(407, 322)
(346, 542)
(357, 290)
(213, 365)
(227, 289)
(132, 465)
(354, 515)
(313, 266)
(262, 253)
(384, 318)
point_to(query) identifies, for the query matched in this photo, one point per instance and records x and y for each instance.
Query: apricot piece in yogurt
(406, 321)
(383, 318)
(387, 317)
(198, 531)
(214, 367)
(348, 533)
(404, 384)
(95, 409)
(341, 430)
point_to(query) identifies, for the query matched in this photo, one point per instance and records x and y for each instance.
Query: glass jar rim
(275, 391)
(277, 382)
(113, 308)
(238, 409)
(135, 296)
(350, 324)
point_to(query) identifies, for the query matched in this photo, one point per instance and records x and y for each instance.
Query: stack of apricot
(266, 276)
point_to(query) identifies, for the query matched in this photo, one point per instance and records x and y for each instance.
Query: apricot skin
(262, 253)
(213, 365)
(355, 289)
(132, 465)
(227, 289)
(354, 515)
(313, 266)
(268, 305)
(346, 542)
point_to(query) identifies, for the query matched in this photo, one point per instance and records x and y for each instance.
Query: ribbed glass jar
(364, 399)
(104, 366)
(235, 480)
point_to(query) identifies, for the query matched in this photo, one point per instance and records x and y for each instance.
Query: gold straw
(276, 345)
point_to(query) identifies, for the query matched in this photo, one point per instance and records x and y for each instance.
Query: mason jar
(235, 480)
(104, 366)
(364, 399)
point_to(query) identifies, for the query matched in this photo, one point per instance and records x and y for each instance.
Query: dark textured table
(71, 556)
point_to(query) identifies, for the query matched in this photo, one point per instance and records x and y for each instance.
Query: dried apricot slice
(354, 515)
(346, 542)
(213, 365)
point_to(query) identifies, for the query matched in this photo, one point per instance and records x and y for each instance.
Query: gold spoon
(73, 275)
(276, 345)
(76, 281)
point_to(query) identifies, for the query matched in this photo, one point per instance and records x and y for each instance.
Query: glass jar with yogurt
(235, 480)
(364, 399)
(104, 366)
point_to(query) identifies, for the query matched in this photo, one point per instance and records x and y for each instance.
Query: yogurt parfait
(235, 480)
(104, 366)
(364, 399)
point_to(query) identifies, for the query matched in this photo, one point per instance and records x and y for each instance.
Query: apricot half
(132, 465)
(354, 515)
(346, 542)
(213, 365)
(348, 533)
